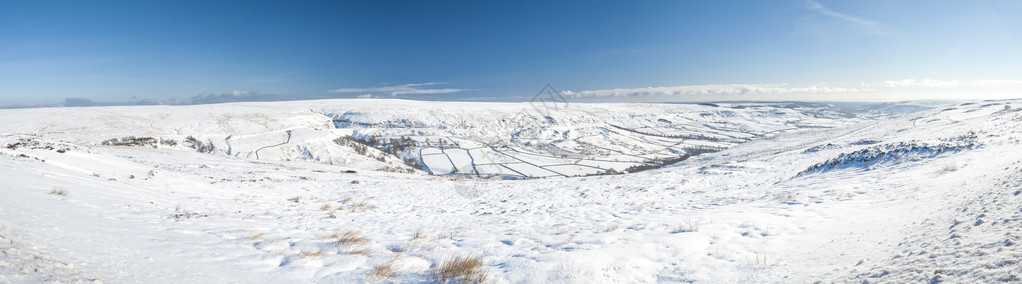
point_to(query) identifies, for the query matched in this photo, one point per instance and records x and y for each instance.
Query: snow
(870, 195)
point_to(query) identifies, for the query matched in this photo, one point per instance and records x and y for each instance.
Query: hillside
(737, 192)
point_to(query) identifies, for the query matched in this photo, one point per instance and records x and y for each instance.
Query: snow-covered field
(273, 192)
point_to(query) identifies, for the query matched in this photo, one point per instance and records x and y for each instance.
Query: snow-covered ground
(266, 192)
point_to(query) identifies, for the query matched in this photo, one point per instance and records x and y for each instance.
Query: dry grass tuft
(350, 237)
(352, 242)
(325, 207)
(59, 191)
(309, 252)
(948, 167)
(459, 270)
(450, 235)
(295, 199)
(382, 272)
(687, 227)
(362, 250)
(361, 207)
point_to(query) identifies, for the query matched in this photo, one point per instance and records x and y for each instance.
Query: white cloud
(237, 93)
(716, 90)
(406, 89)
(997, 83)
(930, 83)
(232, 96)
(922, 83)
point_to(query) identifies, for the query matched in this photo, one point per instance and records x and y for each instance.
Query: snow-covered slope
(799, 193)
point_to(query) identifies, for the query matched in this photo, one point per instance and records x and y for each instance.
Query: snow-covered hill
(274, 192)
(507, 140)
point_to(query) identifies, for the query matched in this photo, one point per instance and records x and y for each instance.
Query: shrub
(131, 141)
(895, 152)
(200, 147)
(360, 147)
(392, 146)
(168, 142)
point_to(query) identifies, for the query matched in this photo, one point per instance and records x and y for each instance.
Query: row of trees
(392, 146)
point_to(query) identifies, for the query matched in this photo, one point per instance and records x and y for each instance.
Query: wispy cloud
(715, 90)
(922, 83)
(858, 22)
(406, 89)
(634, 50)
(890, 90)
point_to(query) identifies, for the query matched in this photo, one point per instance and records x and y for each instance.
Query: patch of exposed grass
(687, 227)
(352, 242)
(59, 191)
(350, 237)
(361, 207)
(458, 270)
(310, 252)
(381, 272)
(256, 236)
(948, 166)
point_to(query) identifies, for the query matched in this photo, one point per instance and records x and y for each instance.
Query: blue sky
(215, 51)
